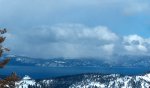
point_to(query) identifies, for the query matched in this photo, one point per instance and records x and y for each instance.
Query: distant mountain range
(115, 60)
(88, 81)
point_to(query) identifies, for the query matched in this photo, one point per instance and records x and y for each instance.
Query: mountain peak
(25, 82)
(26, 77)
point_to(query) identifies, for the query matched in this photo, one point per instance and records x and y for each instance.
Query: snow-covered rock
(25, 82)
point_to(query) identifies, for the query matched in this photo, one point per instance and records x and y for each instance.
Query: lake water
(47, 72)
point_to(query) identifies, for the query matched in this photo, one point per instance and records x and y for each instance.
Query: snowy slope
(114, 81)
(88, 81)
(25, 82)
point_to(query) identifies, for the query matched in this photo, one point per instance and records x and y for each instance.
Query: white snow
(26, 77)
(60, 62)
(145, 77)
(25, 82)
(115, 82)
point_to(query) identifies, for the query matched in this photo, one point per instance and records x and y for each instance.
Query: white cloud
(135, 44)
(136, 48)
(142, 48)
(105, 34)
(108, 48)
(81, 32)
(74, 40)
(66, 40)
(131, 38)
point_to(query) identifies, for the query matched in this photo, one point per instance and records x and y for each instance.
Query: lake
(48, 72)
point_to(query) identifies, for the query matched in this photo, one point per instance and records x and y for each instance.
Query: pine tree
(8, 82)
(2, 49)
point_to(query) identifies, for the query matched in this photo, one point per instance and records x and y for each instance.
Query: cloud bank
(75, 40)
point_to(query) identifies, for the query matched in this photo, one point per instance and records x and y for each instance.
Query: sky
(76, 28)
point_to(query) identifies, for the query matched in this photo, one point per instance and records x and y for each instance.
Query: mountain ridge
(89, 80)
(114, 61)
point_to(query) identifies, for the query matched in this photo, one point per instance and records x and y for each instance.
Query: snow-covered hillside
(88, 81)
(118, 60)
(25, 82)
(114, 81)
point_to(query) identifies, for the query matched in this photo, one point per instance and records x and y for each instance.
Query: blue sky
(64, 27)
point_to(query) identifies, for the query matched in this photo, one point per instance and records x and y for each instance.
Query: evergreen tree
(8, 82)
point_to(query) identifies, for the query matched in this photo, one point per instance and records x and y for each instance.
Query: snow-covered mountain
(88, 81)
(115, 60)
(55, 62)
(25, 82)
